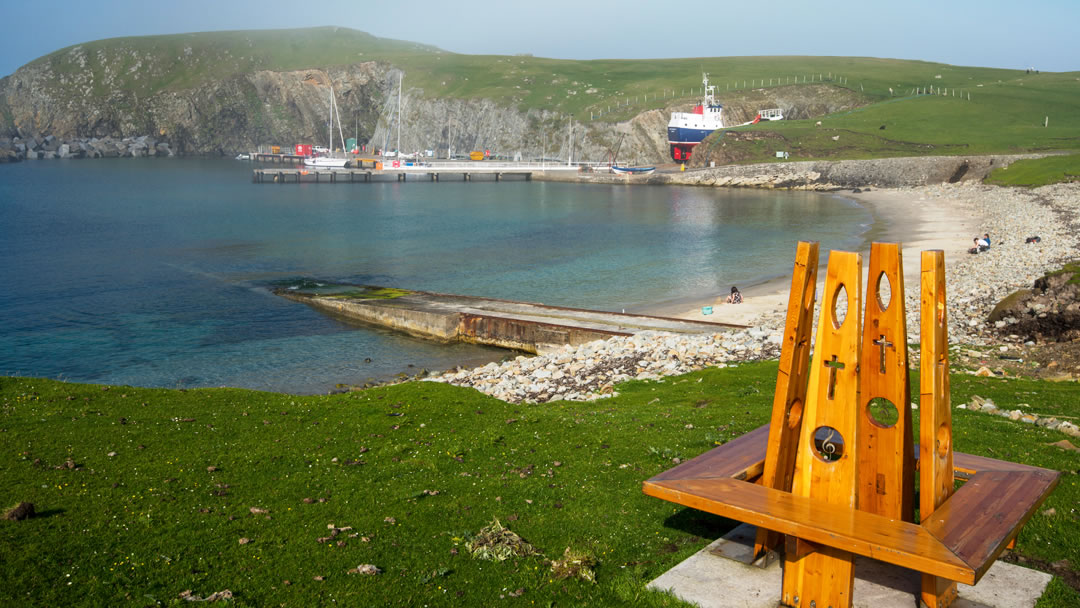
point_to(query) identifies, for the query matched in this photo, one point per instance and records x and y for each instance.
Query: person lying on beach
(735, 297)
(981, 244)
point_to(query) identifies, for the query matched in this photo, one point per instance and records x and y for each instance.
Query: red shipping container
(303, 149)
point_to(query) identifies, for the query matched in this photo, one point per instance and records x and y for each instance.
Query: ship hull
(684, 135)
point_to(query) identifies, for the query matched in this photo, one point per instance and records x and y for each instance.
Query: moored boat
(324, 161)
(321, 157)
(687, 129)
(632, 170)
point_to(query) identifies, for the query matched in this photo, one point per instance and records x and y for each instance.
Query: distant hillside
(221, 92)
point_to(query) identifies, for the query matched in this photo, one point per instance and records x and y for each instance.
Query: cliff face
(119, 91)
(284, 108)
(234, 114)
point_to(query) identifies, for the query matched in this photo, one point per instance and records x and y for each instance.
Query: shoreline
(944, 216)
(904, 215)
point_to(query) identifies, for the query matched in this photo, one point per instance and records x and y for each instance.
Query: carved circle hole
(944, 438)
(794, 413)
(828, 443)
(884, 292)
(882, 412)
(839, 306)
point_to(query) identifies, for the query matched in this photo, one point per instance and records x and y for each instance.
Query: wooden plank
(744, 458)
(888, 540)
(826, 466)
(741, 458)
(790, 394)
(984, 515)
(935, 415)
(886, 447)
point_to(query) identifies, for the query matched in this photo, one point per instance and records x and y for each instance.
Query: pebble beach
(945, 217)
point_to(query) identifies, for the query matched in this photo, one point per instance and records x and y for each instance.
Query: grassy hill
(986, 109)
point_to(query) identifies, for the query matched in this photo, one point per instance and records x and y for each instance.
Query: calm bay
(156, 272)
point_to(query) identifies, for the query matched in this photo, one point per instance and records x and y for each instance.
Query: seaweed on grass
(498, 543)
(574, 564)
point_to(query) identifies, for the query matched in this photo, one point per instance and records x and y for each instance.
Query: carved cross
(833, 365)
(883, 343)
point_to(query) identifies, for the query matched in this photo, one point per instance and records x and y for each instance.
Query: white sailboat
(329, 161)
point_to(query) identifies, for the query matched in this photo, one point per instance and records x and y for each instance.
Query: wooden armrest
(741, 458)
(982, 517)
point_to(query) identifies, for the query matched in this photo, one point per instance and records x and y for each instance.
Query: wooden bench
(723, 481)
(834, 471)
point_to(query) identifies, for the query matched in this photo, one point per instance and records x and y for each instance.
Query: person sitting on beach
(985, 242)
(976, 248)
(735, 297)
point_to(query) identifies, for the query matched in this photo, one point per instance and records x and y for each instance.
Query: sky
(1039, 33)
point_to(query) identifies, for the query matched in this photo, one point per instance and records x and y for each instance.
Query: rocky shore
(975, 284)
(14, 149)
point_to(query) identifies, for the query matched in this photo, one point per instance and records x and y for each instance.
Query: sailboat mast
(401, 77)
(330, 128)
(570, 137)
(341, 134)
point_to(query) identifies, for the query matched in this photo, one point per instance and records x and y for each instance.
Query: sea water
(157, 272)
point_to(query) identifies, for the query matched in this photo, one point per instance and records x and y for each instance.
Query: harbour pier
(408, 171)
(524, 326)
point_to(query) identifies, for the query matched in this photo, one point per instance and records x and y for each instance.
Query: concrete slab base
(711, 581)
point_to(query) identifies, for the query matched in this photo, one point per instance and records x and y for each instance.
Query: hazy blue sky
(1038, 33)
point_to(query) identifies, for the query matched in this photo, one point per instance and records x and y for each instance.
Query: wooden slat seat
(1000, 495)
(742, 458)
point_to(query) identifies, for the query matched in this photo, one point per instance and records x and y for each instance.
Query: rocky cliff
(240, 113)
(203, 99)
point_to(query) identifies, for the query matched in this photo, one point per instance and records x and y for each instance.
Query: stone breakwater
(975, 284)
(831, 175)
(591, 371)
(15, 149)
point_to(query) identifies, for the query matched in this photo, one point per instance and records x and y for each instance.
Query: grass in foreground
(415, 470)
(1038, 171)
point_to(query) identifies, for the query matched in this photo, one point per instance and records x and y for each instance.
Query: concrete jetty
(524, 326)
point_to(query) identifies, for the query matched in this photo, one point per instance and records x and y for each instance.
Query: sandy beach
(910, 216)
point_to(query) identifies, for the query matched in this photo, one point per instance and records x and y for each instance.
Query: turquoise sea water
(154, 272)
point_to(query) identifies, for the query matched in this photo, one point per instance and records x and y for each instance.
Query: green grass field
(1038, 172)
(413, 469)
